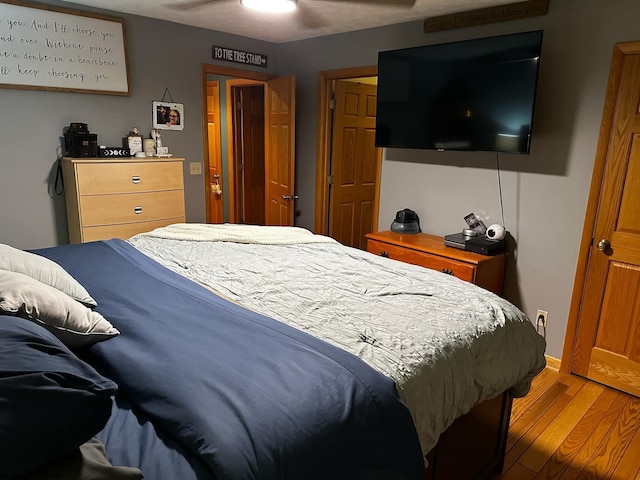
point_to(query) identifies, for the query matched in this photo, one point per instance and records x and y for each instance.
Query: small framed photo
(133, 141)
(168, 116)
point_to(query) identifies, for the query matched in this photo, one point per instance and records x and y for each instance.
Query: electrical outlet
(195, 168)
(541, 318)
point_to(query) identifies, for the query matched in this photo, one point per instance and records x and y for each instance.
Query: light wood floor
(570, 428)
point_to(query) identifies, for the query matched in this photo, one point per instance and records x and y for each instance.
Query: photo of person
(162, 114)
(168, 116)
(174, 117)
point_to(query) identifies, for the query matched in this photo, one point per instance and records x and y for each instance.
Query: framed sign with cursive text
(50, 48)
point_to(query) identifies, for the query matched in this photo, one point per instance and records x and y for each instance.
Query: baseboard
(553, 362)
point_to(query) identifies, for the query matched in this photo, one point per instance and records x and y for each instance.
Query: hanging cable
(500, 188)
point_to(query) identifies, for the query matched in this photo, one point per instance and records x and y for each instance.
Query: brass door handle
(603, 245)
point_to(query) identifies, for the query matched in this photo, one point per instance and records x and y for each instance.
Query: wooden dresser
(118, 198)
(430, 251)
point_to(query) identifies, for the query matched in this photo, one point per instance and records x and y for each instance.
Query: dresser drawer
(98, 178)
(125, 230)
(461, 270)
(131, 207)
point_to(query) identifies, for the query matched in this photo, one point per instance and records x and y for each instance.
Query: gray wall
(544, 193)
(161, 55)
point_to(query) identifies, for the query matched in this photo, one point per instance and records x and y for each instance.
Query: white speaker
(495, 232)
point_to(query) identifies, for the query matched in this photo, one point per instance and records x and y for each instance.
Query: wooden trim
(553, 363)
(482, 16)
(235, 72)
(205, 144)
(619, 52)
(213, 161)
(323, 147)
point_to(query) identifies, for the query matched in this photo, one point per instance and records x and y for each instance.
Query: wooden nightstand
(430, 251)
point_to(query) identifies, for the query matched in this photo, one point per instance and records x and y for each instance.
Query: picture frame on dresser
(134, 141)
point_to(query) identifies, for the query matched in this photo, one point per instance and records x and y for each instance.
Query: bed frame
(474, 446)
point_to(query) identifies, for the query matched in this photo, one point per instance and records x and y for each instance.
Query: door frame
(323, 144)
(597, 177)
(236, 73)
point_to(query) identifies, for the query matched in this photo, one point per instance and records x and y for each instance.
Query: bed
(268, 352)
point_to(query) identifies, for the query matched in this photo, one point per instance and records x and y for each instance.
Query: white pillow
(45, 271)
(73, 323)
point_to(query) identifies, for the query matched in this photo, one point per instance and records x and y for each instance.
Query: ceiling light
(276, 6)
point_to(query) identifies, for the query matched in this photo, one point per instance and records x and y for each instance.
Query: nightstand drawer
(461, 270)
(98, 178)
(130, 207)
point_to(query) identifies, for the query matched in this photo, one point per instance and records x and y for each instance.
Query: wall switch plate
(195, 168)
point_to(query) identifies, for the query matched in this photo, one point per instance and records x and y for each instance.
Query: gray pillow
(73, 323)
(45, 271)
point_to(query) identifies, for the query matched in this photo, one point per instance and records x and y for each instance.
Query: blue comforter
(249, 396)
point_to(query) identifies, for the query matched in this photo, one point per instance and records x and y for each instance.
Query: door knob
(289, 197)
(603, 245)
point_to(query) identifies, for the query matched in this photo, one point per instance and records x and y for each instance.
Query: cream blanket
(247, 234)
(448, 344)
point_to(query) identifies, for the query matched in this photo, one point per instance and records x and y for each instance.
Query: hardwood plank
(543, 422)
(543, 381)
(519, 472)
(572, 428)
(574, 383)
(548, 442)
(530, 417)
(585, 437)
(616, 443)
(629, 466)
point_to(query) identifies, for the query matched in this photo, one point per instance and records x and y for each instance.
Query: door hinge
(332, 104)
(330, 179)
(239, 105)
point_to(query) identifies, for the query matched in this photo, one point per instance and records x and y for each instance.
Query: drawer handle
(384, 254)
(135, 179)
(448, 271)
(137, 210)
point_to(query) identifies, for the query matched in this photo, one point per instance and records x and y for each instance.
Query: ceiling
(313, 18)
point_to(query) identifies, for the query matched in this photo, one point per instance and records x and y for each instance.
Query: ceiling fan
(302, 9)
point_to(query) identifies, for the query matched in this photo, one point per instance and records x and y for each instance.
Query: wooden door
(355, 164)
(249, 153)
(280, 150)
(213, 184)
(607, 346)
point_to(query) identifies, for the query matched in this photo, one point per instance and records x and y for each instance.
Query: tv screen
(471, 95)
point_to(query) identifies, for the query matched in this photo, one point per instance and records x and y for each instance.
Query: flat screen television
(475, 95)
